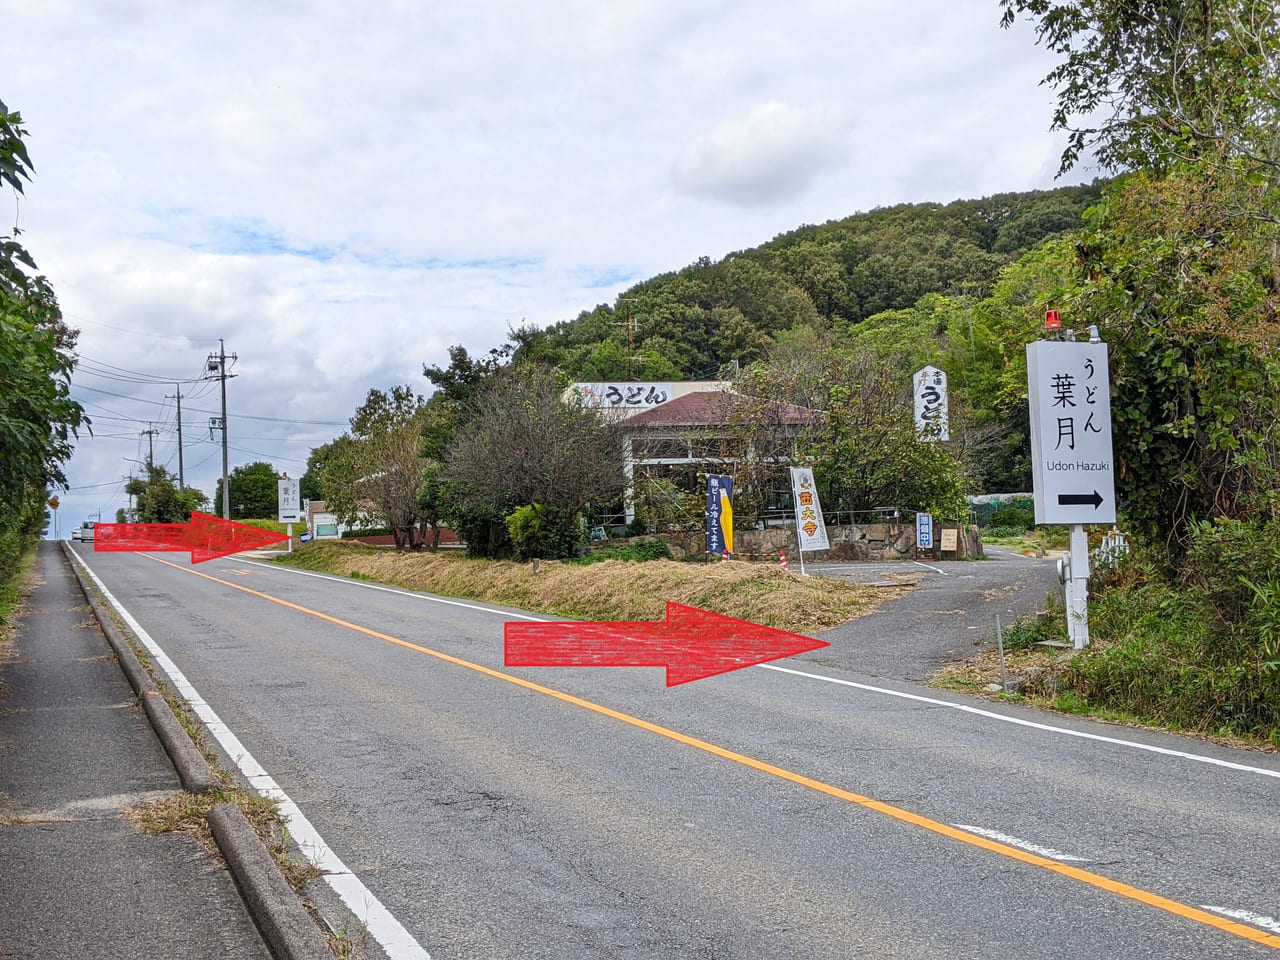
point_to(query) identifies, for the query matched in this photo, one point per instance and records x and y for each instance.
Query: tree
(158, 499)
(379, 470)
(1151, 85)
(1179, 265)
(527, 446)
(867, 454)
(255, 492)
(38, 418)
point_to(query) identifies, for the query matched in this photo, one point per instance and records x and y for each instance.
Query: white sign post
(929, 384)
(811, 529)
(1073, 475)
(290, 504)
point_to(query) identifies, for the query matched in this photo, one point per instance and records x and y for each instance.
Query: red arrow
(206, 537)
(690, 643)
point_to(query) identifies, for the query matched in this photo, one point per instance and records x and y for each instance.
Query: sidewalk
(76, 753)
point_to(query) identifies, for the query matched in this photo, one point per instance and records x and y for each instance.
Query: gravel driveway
(947, 617)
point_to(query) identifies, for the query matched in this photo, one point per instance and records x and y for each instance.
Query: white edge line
(398, 943)
(927, 567)
(1027, 845)
(1247, 916)
(1066, 731)
(965, 708)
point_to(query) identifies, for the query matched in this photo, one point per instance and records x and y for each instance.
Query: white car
(75, 534)
(86, 532)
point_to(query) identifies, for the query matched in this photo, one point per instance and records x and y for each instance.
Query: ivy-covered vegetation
(38, 418)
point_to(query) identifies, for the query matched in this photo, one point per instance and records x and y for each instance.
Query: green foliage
(869, 455)
(1018, 515)
(38, 418)
(381, 470)
(692, 322)
(158, 499)
(640, 552)
(1163, 82)
(255, 492)
(1201, 652)
(1040, 628)
(524, 444)
(538, 532)
(661, 506)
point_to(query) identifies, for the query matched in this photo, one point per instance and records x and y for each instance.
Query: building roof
(716, 409)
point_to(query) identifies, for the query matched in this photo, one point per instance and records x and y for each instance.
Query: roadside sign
(304, 538)
(924, 531)
(811, 529)
(719, 514)
(930, 390)
(1069, 393)
(290, 500)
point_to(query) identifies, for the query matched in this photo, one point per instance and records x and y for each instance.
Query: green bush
(1165, 653)
(538, 532)
(1018, 515)
(634, 552)
(1039, 628)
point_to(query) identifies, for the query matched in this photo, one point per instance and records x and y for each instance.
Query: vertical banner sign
(924, 531)
(719, 514)
(290, 500)
(1069, 392)
(811, 531)
(930, 388)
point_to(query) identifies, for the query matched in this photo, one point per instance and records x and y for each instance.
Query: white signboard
(290, 500)
(930, 388)
(811, 531)
(924, 531)
(624, 396)
(1069, 392)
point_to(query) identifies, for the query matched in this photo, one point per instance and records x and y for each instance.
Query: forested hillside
(690, 323)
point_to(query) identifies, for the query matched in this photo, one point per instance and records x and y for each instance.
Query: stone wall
(856, 542)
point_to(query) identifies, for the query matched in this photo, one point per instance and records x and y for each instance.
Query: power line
(238, 416)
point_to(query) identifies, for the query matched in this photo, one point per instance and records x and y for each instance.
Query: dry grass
(612, 590)
(187, 813)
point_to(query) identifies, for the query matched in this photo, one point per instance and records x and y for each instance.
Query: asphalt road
(799, 810)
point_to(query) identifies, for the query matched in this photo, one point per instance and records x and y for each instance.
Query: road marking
(398, 943)
(1018, 721)
(1049, 852)
(1095, 880)
(965, 708)
(928, 567)
(1267, 923)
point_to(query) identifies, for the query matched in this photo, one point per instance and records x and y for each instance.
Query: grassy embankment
(611, 589)
(1197, 653)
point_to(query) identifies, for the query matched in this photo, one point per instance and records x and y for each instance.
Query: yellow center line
(897, 813)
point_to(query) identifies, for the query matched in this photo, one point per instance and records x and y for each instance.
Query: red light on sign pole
(1052, 320)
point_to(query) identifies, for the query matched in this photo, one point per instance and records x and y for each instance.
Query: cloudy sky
(340, 191)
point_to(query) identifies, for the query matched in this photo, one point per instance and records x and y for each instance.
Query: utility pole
(631, 331)
(177, 395)
(218, 362)
(150, 433)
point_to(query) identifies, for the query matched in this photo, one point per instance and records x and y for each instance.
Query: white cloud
(774, 153)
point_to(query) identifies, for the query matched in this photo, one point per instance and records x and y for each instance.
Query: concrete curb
(286, 926)
(193, 769)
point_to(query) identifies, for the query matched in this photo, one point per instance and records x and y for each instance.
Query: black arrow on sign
(1080, 499)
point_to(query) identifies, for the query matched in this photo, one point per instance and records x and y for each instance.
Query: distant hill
(689, 323)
